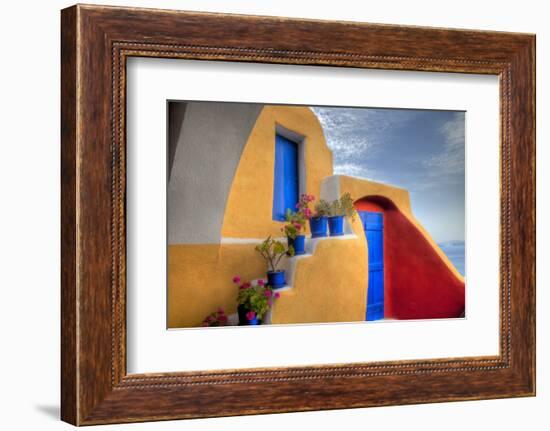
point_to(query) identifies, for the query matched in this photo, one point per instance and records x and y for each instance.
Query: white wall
(29, 220)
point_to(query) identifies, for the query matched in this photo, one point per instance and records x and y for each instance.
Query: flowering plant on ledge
(296, 220)
(322, 209)
(256, 300)
(295, 223)
(303, 205)
(339, 209)
(217, 318)
(343, 207)
(273, 251)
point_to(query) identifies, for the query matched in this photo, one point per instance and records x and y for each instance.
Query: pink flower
(270, 302)
(267, 293)
(298, 226)
(220, 310)
(277, 294)
(250, 315)
(246, 285)
(307, 198)
(236, 279)
(261, 282)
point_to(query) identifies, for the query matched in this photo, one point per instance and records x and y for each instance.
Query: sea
(456, 252)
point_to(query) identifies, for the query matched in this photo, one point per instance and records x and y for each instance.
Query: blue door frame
(373, 224)
(285, 184)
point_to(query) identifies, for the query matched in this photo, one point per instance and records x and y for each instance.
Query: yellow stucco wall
(248, 213)
(199, 279)
(360, 188)
(329, 286)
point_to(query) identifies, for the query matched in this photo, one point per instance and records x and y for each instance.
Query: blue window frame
(286, 183)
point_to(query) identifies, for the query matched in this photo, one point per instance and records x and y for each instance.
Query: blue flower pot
(276, 279)
(336, 225)
(254, 321)
(243, 321)
(299, 244)
(318, 226)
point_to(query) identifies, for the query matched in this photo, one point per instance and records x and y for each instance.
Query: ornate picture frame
(96, 41)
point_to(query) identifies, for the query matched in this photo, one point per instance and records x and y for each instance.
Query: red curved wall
(417, 283)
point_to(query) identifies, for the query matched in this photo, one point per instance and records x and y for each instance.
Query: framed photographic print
(329, 214)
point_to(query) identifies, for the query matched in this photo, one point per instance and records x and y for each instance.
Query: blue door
(285, 185)
(373, 223)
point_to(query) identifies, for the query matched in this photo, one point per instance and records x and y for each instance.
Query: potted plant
(217, 318)
(254, 301)
(339, 209)
(296, 223)
(318, 221)
(273, 251)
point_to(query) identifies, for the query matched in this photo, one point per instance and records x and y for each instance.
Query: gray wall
(208, 149)
(176, 114)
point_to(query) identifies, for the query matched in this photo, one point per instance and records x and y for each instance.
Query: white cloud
(357, 137)
(352, 169)
(348, 132)
(354, 133)
(451, 159)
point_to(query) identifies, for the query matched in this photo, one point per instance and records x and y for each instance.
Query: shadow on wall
(418, 283)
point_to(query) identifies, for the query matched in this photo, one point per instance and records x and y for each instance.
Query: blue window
(285, 184)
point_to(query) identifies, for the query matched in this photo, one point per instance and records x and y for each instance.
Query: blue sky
(422, 151)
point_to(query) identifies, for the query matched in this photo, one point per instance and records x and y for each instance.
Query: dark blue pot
(299, 244)
(276, 279)
(318, 226)
(254, 321)
(241, 311)
(336, 225)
